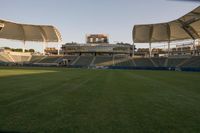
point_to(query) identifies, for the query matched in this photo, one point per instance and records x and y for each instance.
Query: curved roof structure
(186, 27)
(26, 32)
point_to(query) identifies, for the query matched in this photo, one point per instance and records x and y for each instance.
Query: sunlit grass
(15, 72)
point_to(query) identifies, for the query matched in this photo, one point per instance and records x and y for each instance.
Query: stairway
(74, 62)
(166, 62)
(92, 62)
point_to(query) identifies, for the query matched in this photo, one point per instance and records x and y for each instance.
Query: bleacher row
(86, 61)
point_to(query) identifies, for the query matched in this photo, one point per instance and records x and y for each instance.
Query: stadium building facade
(97, 44)
(97, 49)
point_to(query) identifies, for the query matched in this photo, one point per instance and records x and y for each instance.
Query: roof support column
(58, 49)
(169, 38)
(133, 52)
(168, 49)
(195, 46)
(150, 49)
(44, 47)
(150, 40)
(24, 47)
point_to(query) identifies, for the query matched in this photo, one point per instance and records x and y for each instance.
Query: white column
(150, 49)
(24, 46)
(168, 49)
(195, 48)
(113, 59)
(58, 49)
(44, 47)
(133, 54)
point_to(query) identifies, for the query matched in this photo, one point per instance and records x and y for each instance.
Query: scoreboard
(97, 39)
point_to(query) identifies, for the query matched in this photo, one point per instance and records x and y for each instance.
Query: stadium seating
(25, 58)
(174, 62)
(127, 62)
(192, 62)
(84, 61)
(69, 58)
(103, 60)
(49, 59)
(16, 58)
(160, 62)
(143, 62)
(36, 59)
(120, 57)
(4, 58)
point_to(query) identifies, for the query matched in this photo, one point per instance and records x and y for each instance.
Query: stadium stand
(174, 62)
(141, 62)
(84, 61)
(50, 59)
(193, 62)
(120, 57)
(103, 60)
(4, 58)
(123, 60)
(16, 58)
(127, 62)
(70, 59)
(25, 58)
(100, 60)
(160, 62)
(36, 59)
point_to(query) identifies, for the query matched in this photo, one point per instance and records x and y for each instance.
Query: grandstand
(36, 59)
(175, 62)
(192, 62)
(99, 60)
(71, 59)
(84, 61)
(144, 62)
(19, 57)
(4, 58)
(49, 59)
(160, 62)
(97, 51)
(129, 63)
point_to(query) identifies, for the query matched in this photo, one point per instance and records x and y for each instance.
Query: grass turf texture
(98, 101)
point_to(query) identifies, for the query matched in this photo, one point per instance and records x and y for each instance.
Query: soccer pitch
(59, 100)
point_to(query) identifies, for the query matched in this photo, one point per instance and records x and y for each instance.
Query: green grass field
(58, 100)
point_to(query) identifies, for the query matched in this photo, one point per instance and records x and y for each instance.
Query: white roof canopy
(186, 27)
(26, 32)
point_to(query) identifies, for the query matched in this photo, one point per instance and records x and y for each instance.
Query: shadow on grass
(4, 131)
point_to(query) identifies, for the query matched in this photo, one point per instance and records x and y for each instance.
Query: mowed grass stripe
(79, 100)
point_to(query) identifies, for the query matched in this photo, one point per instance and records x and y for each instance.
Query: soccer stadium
(100, 86)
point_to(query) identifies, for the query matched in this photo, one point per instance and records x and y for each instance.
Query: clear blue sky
(75, 18)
